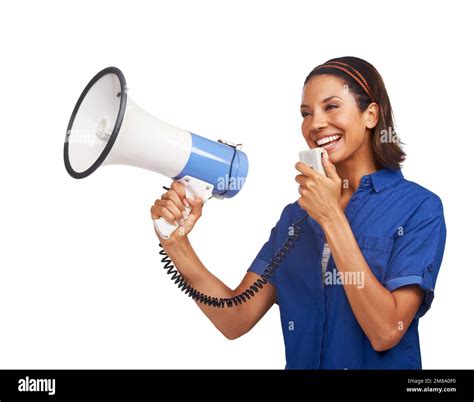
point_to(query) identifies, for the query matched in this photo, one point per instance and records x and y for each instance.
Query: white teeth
(325, 140)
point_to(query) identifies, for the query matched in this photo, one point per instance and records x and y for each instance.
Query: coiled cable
(248, 293)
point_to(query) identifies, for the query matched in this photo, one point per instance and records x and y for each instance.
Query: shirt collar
(383, 179)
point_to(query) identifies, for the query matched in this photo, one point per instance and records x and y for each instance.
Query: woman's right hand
(171, 207)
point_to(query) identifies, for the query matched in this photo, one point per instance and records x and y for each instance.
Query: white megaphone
(108, 128)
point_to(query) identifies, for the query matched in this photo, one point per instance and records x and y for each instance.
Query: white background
(81, 285)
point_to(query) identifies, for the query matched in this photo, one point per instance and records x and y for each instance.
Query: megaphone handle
(195, 188)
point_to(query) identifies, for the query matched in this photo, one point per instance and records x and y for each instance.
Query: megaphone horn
(107, 128)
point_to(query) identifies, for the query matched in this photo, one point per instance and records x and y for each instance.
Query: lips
(327, 140)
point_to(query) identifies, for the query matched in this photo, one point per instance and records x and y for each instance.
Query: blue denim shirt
(400, 229)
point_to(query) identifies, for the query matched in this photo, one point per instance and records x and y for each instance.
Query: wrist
(181, 253)
(176, 243)
(335, 219)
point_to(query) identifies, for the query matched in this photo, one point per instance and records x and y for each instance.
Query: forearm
(193, 270)
(230, 321)
(373, 305)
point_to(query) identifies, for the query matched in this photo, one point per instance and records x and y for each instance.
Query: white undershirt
(324, 260)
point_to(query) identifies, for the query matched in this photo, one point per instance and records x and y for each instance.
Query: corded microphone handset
(312, 158)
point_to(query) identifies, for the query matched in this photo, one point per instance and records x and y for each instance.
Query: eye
(330, 107)
(304, 114)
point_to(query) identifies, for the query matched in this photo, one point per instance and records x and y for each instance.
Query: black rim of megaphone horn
(118, 122)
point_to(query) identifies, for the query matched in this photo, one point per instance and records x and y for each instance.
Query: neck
(352, 170)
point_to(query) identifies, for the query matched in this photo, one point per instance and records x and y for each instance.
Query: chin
(336, 151)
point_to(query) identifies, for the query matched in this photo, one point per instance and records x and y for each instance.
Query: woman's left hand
(320, 195)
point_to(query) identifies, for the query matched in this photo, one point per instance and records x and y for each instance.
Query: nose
(318, 122)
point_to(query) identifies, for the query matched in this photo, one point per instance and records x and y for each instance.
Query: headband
(359, 78)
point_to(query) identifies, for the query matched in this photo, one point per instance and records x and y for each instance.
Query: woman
(364, 268)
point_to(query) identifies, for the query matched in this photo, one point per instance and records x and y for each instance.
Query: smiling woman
(349, 82)
(370, 247)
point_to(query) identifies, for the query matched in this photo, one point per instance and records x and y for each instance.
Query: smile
(329, 140)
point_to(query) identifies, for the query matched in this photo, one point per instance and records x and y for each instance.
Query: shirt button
(430, 268)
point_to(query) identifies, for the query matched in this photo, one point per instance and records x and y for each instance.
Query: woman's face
(332, 120)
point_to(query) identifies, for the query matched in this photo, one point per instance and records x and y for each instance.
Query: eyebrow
(324, 100)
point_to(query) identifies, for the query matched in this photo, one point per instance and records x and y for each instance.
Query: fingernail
(181, 222)
(186, 202)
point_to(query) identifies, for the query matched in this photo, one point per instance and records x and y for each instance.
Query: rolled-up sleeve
(418, 251)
